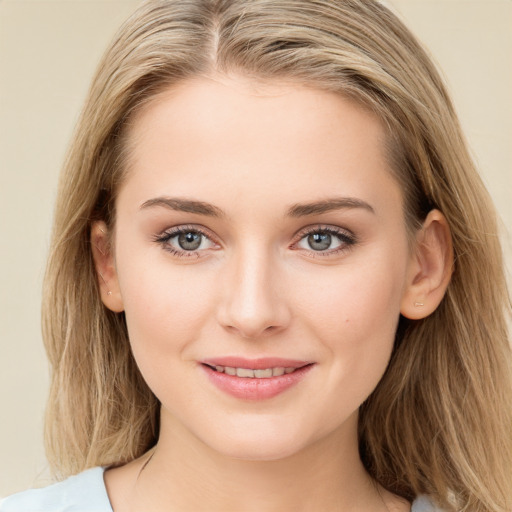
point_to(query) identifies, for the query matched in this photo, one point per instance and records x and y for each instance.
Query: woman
(275, 282)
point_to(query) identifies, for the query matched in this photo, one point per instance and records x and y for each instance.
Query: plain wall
(48, 51)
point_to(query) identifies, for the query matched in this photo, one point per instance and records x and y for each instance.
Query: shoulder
(422, 504)
(84, 492)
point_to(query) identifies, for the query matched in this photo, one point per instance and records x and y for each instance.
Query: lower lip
(255, 389)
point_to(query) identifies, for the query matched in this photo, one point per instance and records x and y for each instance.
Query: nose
(253, 304)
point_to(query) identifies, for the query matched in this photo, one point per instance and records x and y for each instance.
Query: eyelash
(347, 239)
(164, 238)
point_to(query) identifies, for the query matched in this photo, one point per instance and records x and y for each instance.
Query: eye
(190, 241)
(325, 240)
(185, 241)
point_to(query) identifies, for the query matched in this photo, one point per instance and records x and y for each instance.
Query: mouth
(255, 379)
(249, 373)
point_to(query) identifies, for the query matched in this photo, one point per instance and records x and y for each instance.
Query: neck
(182, 473)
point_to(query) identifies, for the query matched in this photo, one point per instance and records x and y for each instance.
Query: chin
(261, 442)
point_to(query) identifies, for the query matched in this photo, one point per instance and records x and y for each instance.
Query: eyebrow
(296, 210)
(328, 205)
(184, 205)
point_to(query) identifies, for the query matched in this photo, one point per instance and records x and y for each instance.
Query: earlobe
(430, 268)
(105, 267)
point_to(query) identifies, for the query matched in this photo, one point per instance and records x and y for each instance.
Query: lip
(255, 389)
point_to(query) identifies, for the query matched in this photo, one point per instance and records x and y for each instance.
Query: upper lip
(255, 364)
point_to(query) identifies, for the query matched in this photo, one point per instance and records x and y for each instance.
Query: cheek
(357, 299)
(166, 306)
(356, 325)
(354, 311)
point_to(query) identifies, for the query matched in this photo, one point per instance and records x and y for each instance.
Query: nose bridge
(252, 304)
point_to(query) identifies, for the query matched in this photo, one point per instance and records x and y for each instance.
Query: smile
(260, 379)
(248, 373)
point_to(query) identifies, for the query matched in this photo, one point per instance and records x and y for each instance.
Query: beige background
(48, 50)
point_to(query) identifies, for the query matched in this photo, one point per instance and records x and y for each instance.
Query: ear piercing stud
(103, 279)
(418, 304)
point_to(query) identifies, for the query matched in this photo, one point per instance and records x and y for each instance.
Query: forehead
(205, 104)
(238, 131)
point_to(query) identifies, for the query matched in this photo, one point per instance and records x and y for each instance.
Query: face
(261, 258)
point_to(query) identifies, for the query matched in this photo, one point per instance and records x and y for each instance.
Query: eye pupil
(189, 241)
(319, 241)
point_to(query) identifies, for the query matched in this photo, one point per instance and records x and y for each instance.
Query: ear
(105, 267)
(430, 268)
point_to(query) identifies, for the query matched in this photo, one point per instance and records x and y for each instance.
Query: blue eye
(190, 241)
(183, 241)
(320, 241)
(325, 240)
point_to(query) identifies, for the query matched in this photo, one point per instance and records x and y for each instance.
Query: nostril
(251, 308)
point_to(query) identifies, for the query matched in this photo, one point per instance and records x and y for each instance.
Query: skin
(256, 288)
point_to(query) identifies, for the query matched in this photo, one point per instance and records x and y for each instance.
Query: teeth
(247, 373)
(263, 374)
(243, 372)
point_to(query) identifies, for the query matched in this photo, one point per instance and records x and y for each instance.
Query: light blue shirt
(86, 492)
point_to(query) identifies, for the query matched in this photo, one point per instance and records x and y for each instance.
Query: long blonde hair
(439, 422)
